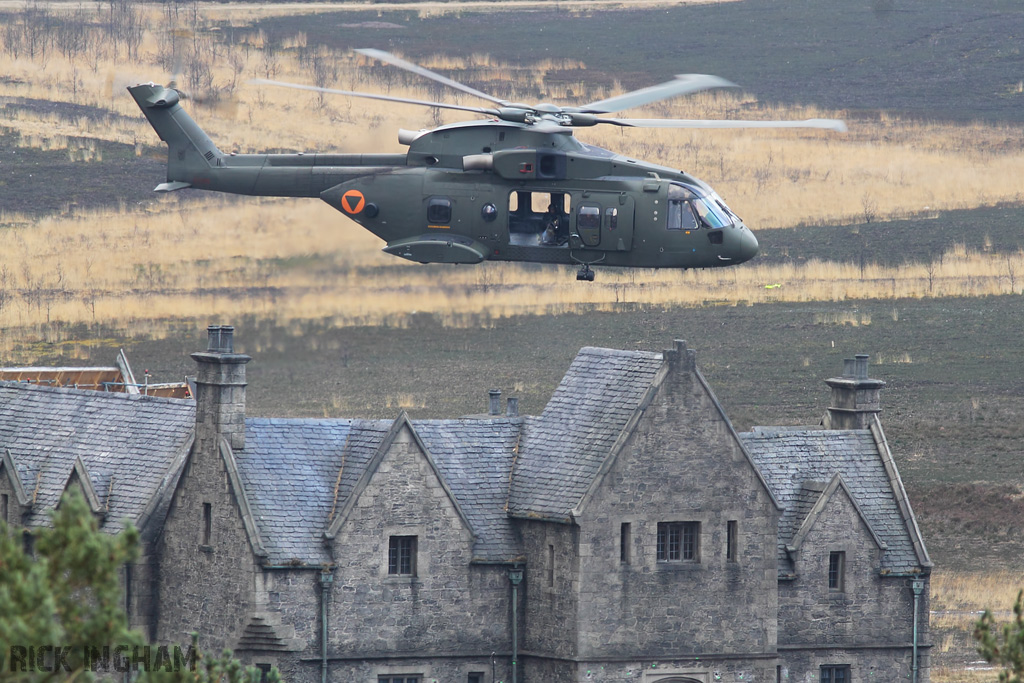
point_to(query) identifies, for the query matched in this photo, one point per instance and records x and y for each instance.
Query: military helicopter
(517, 186)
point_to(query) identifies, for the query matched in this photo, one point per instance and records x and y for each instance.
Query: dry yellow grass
(975, 592)
(957, 601)
(950, 675)
(289, 259)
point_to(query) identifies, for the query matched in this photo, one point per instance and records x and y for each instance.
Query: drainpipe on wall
(326, 579)
(515, 576)
(918, 587)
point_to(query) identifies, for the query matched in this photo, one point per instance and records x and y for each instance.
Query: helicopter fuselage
(476, 191)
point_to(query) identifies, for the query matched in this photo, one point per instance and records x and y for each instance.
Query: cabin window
(402, 556)
(526, 202)
(439, 211)
(590, 218)
(530, 214)
(611, 217)
(678, 542)
(588, 224)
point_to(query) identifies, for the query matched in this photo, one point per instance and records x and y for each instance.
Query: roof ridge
(635, 353)
(302, 420)
(486, 419)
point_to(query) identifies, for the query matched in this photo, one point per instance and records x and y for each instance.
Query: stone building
(628, 533)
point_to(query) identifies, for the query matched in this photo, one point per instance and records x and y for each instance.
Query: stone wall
(14, 511)
(205, 586)
(682, 464)
(546, 670)
(430, 669)
(143, 601)
(207, 560)
(456, 610)
(680, 670)
(551, 591)
(872, 611)
(292, 597)
(866, 664)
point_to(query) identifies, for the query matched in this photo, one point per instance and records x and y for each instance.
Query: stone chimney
(220, 388)
(679, 357)
(512, 407)
(855, 397)
(494, 407)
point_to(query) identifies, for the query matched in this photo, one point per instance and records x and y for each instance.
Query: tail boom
(193, 160)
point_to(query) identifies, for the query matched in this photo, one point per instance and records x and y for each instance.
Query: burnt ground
(36, 182)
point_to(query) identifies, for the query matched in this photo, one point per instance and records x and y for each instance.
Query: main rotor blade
(828, 124)
(371, 96)
(683, 84)
(426, 73)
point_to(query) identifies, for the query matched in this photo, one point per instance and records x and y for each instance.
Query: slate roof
(297, 474)
(563, 450)
(475, 458)
(795, 462)
(290, 469)
(126, 442)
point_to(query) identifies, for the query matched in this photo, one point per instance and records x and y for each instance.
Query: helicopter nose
(747, 246)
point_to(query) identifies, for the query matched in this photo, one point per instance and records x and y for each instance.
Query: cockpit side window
(680, 216)
(689, 209)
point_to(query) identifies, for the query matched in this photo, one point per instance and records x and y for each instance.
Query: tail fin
(190, 152)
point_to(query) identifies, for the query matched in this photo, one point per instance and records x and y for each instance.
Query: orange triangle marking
(353, 201)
